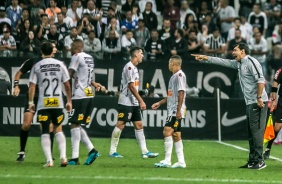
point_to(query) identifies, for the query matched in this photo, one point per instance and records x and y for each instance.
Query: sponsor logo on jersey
(120, 115)
(42, 118)
(51, 102)
(88, 119)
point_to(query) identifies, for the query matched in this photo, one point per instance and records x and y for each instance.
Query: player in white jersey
(129, 105)
(176, 110)
(81, 69)
(49, 74)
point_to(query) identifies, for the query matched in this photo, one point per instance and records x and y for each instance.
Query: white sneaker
(48, 164)
(178, 165)
(163, 164)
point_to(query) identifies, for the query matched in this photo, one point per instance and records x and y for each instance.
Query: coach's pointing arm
(216, 60)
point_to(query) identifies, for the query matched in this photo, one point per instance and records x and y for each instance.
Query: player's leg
(75, 117)
(51, 135)
(139, 133)
(92, 152)
(122, 118)
(57, 119)
(43, 117)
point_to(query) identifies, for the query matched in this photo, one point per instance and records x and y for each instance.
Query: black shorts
(26, 106)
(81, 111)
(278, 112)
(175, 124)
(56, 116)
(129, 113)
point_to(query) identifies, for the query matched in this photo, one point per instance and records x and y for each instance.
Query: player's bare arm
(99, 87)
(179, 105)
(273, 96)
(131, 87)
(159, 103)
(16, 83)
(260, 88)
(71, 72)
(31, 92)
(199, 57)
(68, 91)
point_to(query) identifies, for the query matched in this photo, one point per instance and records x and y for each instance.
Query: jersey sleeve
(278, 76)
(26, 66)
(65, 76)
(74, 62)
(129, 74)
(181, 82)
(32, 76)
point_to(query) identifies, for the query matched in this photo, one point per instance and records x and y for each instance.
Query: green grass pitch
(207, 162)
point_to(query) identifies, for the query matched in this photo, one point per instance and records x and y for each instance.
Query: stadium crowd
(163, 28)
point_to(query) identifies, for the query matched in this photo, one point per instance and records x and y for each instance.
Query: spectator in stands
(93, 11)
(43, 28)
(20, 22)
(226, 14)
(74, 12)
(172, 13)
(246, 7)
(149, 17)
(57, 39)
(202, 35)
(128, 5)
(155, 48)
(136, 14)
(3, 18)
(178, 45)
(8, 45)
(14, 13)
(141, 34)
(194, 46)
(34, 9)
(92, 46)
(258, 18)
(113, 26)
(277, 46)
(30, 46)
(184, 10)
(5, 86)
(128, 23)
(152, 93)
(84, 27)
(143, 3)
(53, 10)
(127, 41)
(203, 11)
(111, 46)
(188, 24)
(111, 14)
(23, 31)
(118, 14)
(166, 33)
(68, 20)
(231, 43)
(258, 48)
(273, 11)
(61, 25)
(237, 25)
(215, 44)
(69, 39)
(104, 5)
(247, 26)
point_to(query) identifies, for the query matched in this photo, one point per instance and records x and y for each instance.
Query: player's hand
(155, 106)
(273, 105)
(260, 103)
(199, 57)
(16, 91)
(31, 108)
(178, 115)
(142, 106)
(69, 107)
(104, 89)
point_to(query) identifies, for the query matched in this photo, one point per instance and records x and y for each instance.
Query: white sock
(115, 138)
(75, 140)
(61, 141)
(46, 146)
(168, 145)
(85, 139)
(179, 151)
(139, 134)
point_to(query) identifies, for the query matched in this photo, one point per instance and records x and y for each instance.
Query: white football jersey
(177, 83)
(83, 65)
(129, 75)
(49, 74)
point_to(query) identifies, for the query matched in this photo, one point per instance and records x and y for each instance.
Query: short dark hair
(244, 46)
(134, 49)
(47, 48)
(237, 18)
(180, 31)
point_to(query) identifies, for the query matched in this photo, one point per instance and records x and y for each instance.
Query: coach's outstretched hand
(200, 57)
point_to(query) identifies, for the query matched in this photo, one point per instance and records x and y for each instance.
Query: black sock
(52, 140)
(23, 139)
(93, 151)
(269, 144)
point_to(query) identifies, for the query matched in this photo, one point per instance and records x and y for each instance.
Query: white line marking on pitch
(139, 178)
(244, 149)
